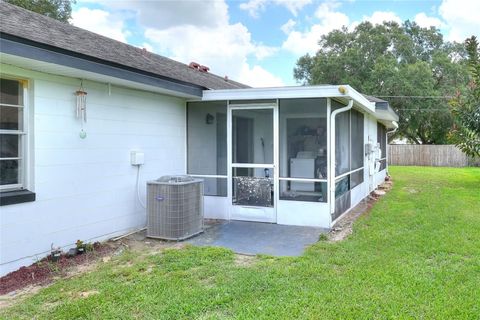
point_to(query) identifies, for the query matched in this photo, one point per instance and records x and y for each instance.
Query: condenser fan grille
(175, 207)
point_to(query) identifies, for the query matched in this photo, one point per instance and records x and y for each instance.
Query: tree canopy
(466, 105)
(411, 65)
(56, 9)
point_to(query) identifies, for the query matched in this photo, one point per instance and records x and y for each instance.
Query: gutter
(332, 152)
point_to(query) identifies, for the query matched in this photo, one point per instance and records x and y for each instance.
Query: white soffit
(326, 91)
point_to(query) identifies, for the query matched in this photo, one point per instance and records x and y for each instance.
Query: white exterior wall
(85, 189)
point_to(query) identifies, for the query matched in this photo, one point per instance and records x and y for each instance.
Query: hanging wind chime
(81, 108)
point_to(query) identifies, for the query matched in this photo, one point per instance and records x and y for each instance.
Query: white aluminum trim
(229, 162)
(251, 207)
(347, 173)
(208, 176)
(303, 179)
(253, 165)
(329, 158)
(13, 132)
(276, 159)
(11, 105)
(11, 158)
(252, 106)
(330, 91)
(11, 187)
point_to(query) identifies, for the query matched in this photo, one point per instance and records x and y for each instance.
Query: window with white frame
(12, 134)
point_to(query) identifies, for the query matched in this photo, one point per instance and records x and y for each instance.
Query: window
(13, 143)
(382, 140)
(303, 149)
(12, 133)
(207, 145)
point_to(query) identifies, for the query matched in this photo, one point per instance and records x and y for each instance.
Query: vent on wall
(174, 207)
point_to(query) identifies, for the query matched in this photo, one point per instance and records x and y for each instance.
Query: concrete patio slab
(259, 238)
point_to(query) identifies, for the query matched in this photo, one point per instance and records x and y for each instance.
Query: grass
(415, 255)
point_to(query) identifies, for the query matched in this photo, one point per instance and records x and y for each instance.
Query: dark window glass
(9, 172)
(382, 139)
(357, 139)
(342, 186)
(383, 164)
(9, 146)
(11, 118)
(356, 178)
(10, 92)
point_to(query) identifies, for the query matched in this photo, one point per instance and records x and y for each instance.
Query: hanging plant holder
(81, 107)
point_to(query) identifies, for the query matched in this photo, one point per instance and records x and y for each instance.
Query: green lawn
(415, 255)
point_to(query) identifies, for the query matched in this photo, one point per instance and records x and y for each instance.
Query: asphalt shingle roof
(28, 25)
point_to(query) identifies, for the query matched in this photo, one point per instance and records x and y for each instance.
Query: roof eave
(326, 91)
(17, 46)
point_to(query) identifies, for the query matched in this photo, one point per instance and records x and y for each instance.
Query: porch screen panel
(252, 136)
(382, 140)
(303, 149)
(342, 143)
(207, 144)
(357, 139)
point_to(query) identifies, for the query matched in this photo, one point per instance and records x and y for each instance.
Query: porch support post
(332, 153)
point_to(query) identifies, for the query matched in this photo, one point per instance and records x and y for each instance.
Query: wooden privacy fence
(428, 155)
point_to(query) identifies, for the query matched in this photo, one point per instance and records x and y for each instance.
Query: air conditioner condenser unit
(174, 207)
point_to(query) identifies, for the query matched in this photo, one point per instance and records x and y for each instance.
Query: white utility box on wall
(137, 158)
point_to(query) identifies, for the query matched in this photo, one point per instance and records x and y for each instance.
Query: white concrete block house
(292, 155)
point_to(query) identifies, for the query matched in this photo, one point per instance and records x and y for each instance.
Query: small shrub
(323, 237)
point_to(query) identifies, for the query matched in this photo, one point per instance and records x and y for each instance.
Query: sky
(258, 42)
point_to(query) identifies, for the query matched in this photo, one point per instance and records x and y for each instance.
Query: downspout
(332, 153)
(387, 133)
(394, 130)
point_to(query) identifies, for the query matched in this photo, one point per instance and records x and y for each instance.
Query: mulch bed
(45, 270)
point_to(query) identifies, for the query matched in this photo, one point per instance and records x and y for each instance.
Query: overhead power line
(423, 110)
(417, 97)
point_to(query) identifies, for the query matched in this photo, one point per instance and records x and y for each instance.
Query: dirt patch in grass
(29, 280)
(343, 227)
(44, 271)
(243, 260)
(86, 294)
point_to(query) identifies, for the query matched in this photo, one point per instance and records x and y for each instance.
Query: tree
(394, 60)
(56, 9)
(466, 106)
